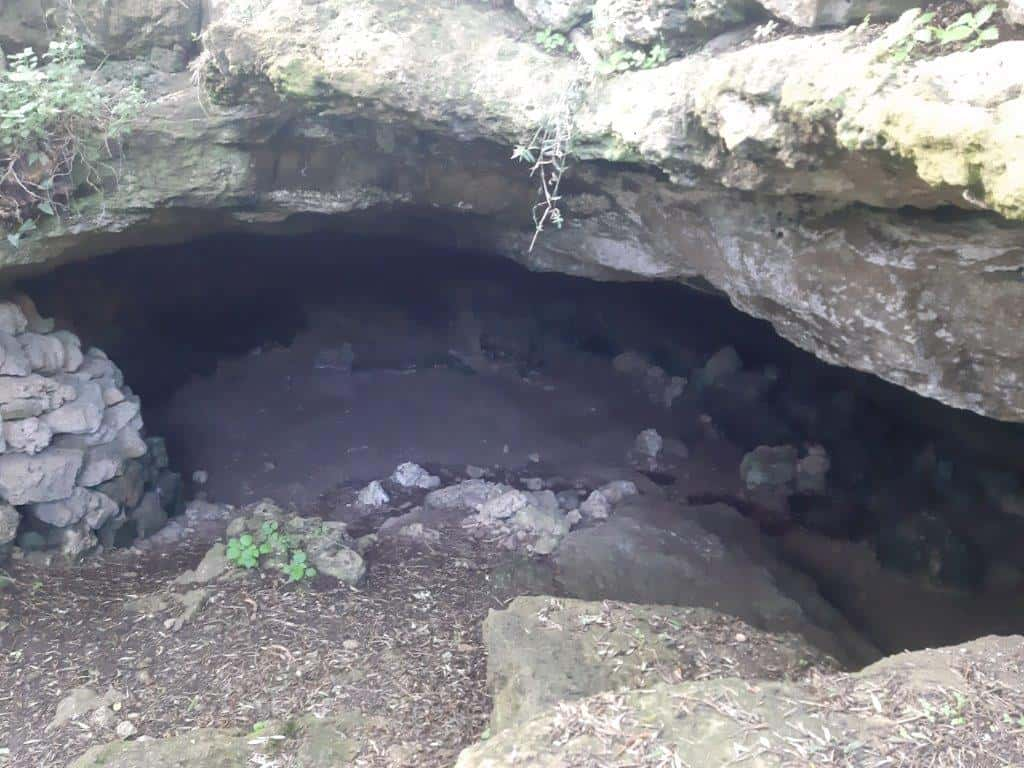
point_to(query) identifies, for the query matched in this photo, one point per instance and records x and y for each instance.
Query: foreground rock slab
(305, 743)
(963, 702)
(543, 650)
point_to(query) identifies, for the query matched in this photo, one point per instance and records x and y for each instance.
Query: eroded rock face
(709, 723)
(871, 211)
(160, 31)
(543, 650)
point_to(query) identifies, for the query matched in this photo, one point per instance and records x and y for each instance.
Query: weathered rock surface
(708, 557)
(870, 210)
(158, 30)
(543, 650)
(305, 743)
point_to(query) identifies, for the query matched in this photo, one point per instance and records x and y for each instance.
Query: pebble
(126, 729)
(350, 645)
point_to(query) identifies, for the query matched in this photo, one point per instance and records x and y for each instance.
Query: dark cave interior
(411, 351)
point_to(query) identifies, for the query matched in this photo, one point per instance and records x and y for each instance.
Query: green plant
(968, 32)
(554, 42)
(247, 551)
(60, 128)
(623, 60)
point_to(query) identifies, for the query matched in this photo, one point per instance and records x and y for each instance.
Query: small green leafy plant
(968, 32)
(247, 551)
(60, 128)
(554, 42)
(623, 60)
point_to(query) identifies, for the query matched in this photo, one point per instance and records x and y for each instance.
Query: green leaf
(46, 208)
(989, 34)
(983, 15)
(954, 35)
(245, 540)
(14, 239)
(298, 558)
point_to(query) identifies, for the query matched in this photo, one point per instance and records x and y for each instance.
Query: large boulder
(957, 698)
(709, 557)
(543, 650)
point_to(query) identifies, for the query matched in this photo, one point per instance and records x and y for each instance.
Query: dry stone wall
(75, 468)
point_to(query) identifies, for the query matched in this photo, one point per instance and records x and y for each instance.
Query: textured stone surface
(823, 13)
(542, 650)
(115, 28)
(708, 723)
(871, 211)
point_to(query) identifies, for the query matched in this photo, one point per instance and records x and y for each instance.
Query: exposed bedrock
(870, 210)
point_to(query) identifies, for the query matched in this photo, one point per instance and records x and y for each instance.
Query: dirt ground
(403, 650)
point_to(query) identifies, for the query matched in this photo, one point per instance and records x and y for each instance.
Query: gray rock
(91, 506)
(47, 476)
(410, 475)
(213, 565)
(469, 494)
(75, 541)
(80, 702)
(12, 319)
(83, 414)
(416, 531)
(631, 363)
(127, 488)
(825, 13)
(13, 360)
(204, 511)
(29, 435)
(663, 554)
(617, 490)
(568, 499)
(373, 495)
(504, 506)
(170, 489)
(724, 362)
(113, 420)
(648, 444)
(812, 471)
(678, 26)
(104, 462)
(543, 651)
(344, 564)
(560, 15)
(117, 29)
(1014, 12)
(149, 516)
(596, 506)
(10, 519)
(25, 396)
(45, 352)
(766, 465)
(34, 321)
(538, 521)
(73, 357)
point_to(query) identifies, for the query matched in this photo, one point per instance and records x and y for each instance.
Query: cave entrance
(302, 368)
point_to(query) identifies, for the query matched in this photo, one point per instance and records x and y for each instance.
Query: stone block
(47, 476)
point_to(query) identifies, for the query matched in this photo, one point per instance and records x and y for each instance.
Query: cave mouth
(303, 367)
